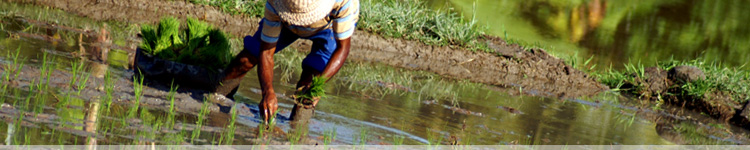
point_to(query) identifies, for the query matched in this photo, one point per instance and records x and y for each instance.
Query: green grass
(719, 78)
(413, 20)
(253, 8)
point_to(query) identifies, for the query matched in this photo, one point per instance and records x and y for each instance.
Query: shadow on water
(471, 114)
(616, 32)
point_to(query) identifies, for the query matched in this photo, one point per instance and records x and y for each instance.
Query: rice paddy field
(58, 88)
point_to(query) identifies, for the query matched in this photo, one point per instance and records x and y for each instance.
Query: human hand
(268, 106)
(305, 101)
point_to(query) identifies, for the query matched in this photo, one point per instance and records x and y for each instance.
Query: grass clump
(413, 20)
(199, 44)
(254, 8)
(719, 79)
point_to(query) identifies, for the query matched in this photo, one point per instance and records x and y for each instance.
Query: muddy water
(482, 116)
(616, 32)
(478, 115)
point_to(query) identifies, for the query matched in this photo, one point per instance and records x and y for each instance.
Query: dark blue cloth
(320, 53)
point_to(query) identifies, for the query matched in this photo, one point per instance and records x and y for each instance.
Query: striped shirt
(341, 20)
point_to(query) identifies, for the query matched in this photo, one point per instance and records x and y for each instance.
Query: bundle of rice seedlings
(203, 45)
(316, 90)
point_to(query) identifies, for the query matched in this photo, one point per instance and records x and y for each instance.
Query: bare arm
(337, 59)
(268, 104)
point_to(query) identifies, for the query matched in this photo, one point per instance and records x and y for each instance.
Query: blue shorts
(320, 53)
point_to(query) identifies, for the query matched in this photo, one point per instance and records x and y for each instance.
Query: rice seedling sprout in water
(137, 92)
(109, 91)
(171, 98)
(76, 69)
(201, 117)
(83, 83)
(363, 132)
(296, 136)
(228, 137)
(329, 136)
(398, 139)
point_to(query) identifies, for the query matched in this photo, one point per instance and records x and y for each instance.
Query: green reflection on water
(617, 32)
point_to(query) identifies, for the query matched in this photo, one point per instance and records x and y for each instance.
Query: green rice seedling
(398, 139)
(17, 63)
(171, 98)
(329, 136)
(109, 91)
(217, 52)
(201, 117)
(45, 73)
(229, 135)
(168, 31)
(272, 122)
(199, 44)
(76, 69)
(149, 39)
(262, 131)
(434, 138)
(363, 133)
(317, 88)
(137, 92)
(83, 83)
(295, 136)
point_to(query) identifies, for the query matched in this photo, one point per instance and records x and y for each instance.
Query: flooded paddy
(51, 99)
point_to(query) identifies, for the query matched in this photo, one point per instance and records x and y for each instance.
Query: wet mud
(534, 71)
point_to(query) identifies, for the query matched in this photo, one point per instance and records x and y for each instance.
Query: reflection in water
(616, 32)
(9, 135)
(542, 121)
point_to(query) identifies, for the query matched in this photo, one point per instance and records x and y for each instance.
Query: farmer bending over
(328, 23)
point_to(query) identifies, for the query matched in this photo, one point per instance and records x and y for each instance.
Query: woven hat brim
(323, 8)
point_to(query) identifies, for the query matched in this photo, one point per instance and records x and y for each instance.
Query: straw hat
(302, 12)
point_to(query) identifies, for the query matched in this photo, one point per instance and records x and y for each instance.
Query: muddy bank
(534, 71)
(687, 87)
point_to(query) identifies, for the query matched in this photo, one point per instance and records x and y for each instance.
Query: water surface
(617, 32)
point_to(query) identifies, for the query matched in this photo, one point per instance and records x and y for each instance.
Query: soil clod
(685, 74)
